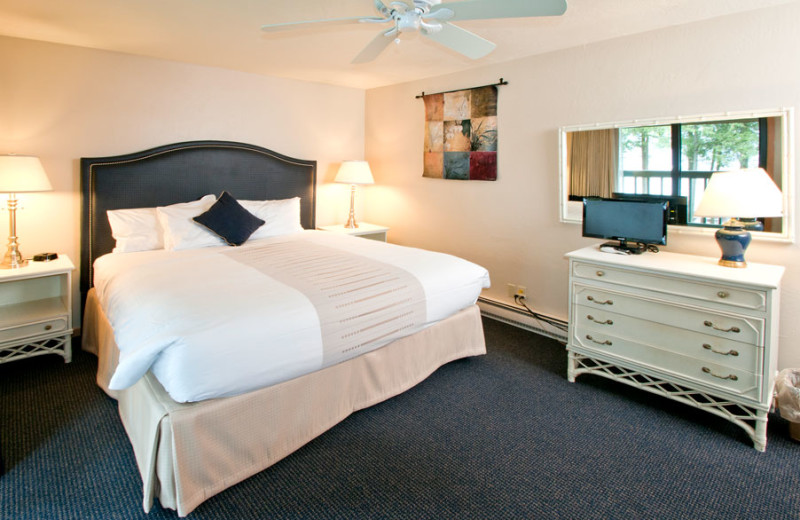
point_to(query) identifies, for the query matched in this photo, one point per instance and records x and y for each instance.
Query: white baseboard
(520, 317)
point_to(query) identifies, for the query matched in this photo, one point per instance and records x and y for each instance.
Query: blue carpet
(498, 436)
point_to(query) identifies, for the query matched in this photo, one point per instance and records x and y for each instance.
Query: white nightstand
(36, 310)
(363, 230)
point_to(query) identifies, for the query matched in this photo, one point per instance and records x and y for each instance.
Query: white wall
(511, 226)
(62, 103)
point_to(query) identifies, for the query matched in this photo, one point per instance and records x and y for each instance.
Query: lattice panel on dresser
(743, 416)
(61, 345)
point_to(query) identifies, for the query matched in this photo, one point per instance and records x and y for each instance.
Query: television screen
(639, 223)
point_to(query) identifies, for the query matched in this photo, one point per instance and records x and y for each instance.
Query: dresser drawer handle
(728, 353)
(600, 273)
(606, 342)
(48, 327)
(731, 329)
(732, 377)
(607, 322)
(606, 302)
(722, 294)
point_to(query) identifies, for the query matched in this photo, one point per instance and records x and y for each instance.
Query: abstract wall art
(461, 134)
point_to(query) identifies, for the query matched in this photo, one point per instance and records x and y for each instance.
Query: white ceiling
(225, 33)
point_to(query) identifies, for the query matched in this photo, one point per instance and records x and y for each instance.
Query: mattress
(221, 321)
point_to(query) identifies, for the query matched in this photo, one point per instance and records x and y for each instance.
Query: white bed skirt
(188, 452)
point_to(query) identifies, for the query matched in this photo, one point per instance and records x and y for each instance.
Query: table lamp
(352, 173)
(742, 196)
(19, 174)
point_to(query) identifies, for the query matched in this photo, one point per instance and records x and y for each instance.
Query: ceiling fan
(432, 19)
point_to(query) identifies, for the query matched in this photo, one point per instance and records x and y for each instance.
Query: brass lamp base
(351, 223)
(13, 264)
(13, 258)
(351, 220)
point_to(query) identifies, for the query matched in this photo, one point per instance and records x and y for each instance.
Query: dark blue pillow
(229, 220)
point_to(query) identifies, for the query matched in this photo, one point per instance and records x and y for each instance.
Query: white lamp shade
(22, 173)
(354, 172)
(746, 193)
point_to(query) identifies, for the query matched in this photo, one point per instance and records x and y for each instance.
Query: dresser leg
(571, 366)
(760, 436)
(68, 349)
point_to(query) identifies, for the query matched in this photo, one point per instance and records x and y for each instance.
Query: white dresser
(680, 326)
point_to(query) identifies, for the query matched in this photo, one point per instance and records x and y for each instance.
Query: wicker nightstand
(363, 230)
(36, 310)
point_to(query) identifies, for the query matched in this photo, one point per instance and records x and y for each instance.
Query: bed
(190, 447)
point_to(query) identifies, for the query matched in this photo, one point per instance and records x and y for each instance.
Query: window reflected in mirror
(671, 160)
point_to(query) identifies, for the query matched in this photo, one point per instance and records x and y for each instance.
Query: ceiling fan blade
(487, 9)
(277, 27)
(462, 41)
(407, 4)
(375, 47)
(381, 7)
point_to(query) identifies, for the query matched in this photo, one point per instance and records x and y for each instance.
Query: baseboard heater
(519, 317)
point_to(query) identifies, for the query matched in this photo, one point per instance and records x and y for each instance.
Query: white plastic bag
(788, 387)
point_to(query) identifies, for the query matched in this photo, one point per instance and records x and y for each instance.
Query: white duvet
(209, 325)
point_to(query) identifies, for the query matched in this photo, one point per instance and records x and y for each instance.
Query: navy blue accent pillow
(229, 220)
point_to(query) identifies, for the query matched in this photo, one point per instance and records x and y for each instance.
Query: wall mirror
(673, 159)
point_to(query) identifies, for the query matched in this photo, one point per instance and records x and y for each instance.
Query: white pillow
(180, 231)
(280, 217)
(135, 229)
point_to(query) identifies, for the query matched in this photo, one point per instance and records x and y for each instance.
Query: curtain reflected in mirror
(673, 160)
(592, 162)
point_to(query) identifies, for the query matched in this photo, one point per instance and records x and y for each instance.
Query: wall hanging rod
(501, 82)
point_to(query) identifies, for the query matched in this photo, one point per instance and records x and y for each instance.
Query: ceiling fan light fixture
(442, 14)
(431, 27)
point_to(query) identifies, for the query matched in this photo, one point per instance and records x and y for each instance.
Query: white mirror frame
(571, 214)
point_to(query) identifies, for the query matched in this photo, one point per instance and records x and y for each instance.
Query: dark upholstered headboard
(183, 172)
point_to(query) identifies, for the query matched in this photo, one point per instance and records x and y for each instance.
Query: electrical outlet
(521, 291)
(512, 290)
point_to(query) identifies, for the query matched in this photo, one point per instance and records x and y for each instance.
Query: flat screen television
(634, 224)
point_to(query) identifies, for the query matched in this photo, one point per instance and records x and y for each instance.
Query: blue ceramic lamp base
(733, 240)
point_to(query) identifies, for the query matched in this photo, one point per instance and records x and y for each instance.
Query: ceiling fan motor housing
(408, 21)
(411, 20)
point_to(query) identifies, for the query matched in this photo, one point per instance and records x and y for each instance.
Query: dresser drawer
(704, 347)
(669, 364)
(745, 329)
(30, 330)
(707, 292)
